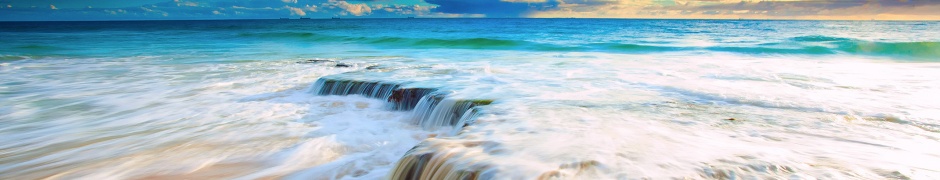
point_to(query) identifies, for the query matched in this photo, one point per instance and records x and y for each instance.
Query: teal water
(635, 98)
(904, 40)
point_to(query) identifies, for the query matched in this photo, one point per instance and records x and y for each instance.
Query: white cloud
(524, 1)
(311, 8)
(115, 12)
(405, 9)
(354, 9)
(52, 7)
(296, 11)
(734, 9)
(186, 3)
(450, 15)
(216, 12)
(148, 10)
(256, 8)
(289, 1)
(422, 8)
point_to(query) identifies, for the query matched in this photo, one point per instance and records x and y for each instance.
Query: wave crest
(802, 45)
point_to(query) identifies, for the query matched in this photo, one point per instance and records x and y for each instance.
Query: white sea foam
(107, 118)
(718, 115)
(565, 115)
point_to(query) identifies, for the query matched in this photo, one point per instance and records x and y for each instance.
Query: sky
(78, 10)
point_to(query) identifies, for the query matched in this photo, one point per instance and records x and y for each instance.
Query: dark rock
(343, 65)
(406, 98)
(314, 61)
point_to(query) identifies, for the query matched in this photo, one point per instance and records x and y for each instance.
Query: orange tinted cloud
(735, 9)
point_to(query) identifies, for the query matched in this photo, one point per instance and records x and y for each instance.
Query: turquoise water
(572, 98)
(221, 38)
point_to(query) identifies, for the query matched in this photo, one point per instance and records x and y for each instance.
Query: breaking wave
(803, 45)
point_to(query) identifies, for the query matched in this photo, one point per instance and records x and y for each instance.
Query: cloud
(525, 1)
(448, 15)
(273, 9)
(410, 10)
(757, 9)
(492, 8)
(311, 8)
(148, 11)
(186, 3)
(354, 9)
(296, 11)
(115, 12)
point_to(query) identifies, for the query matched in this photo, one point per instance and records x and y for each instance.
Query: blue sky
(68, 10)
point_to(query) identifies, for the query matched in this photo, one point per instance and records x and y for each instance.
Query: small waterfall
(436, 110)
(342, 87)
(467, 119)
(399, 98)
(431, 109)
(439, 159)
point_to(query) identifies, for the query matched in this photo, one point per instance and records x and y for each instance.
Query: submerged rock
(431, 109)
(315, 61)
(407, 98)
(432, 160)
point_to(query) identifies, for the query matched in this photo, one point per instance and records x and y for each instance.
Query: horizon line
(368, 18)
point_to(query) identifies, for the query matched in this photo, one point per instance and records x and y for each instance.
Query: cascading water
(432, 109)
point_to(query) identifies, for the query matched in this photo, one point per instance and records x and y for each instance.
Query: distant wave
(471, 42)
(924, 49)
(809, 50)
(30, 51)
(37, 47)
(913, 49)
(461, 43)
(467, 43)
(280, 35)
(818, 39)
(635, 47)
(806, 45)
(12, 58)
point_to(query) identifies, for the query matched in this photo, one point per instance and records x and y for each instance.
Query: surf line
(431, 108)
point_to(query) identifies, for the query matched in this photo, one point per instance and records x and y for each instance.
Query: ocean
(470, 99)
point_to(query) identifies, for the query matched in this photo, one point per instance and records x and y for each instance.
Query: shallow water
(573, 99)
